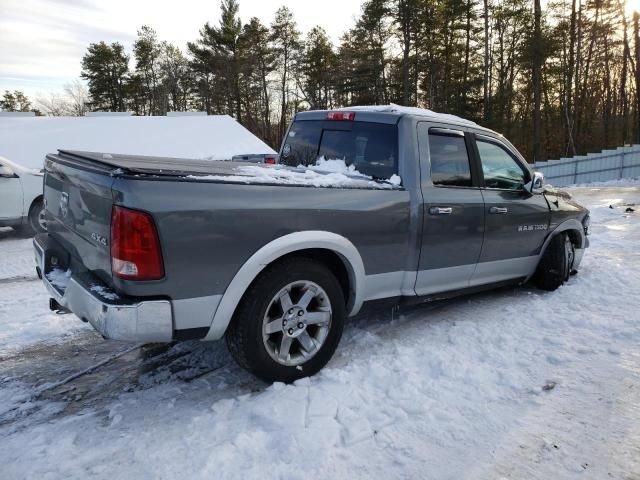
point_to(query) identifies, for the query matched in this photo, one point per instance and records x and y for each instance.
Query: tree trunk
(267, 113)
(405, 25)
(636, 41)
(623, 79)
(405, 72)
(537, 80)
(485, 84)
(283, 94)
(465, 73)
(569, 115)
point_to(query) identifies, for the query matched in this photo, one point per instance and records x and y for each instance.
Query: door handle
(441, 210)
(498, 210)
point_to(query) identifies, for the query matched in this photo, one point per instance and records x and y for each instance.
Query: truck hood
(556, 192)
(562, 201)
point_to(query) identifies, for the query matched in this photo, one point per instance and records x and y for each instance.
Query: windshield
(372, 148)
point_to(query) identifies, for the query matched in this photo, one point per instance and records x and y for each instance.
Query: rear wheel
(556, 263)
(289, 322)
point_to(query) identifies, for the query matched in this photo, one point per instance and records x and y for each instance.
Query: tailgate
(78, 201)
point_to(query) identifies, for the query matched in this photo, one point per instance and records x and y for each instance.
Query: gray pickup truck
(275, 257)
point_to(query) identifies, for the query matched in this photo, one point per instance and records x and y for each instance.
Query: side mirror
(536, 185)
(6, 172)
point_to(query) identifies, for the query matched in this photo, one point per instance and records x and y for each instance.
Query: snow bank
(622, 182)
(325, 173)
(27, 140)
(25, 318)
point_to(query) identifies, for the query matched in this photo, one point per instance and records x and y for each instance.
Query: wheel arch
(573, 228)
(325, 246)
(31, 206)
(39, 198)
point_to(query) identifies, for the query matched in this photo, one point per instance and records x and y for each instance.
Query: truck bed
(327, 174)
(208, 227)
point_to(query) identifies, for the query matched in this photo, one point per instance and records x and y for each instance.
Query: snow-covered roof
(26, 141)
(399, 109)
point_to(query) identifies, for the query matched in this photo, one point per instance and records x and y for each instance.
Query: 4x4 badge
(99, 238)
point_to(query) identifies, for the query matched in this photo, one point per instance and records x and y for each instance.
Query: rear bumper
(13, 222)
(112, 316)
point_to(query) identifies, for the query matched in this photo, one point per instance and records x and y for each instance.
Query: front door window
(500, 169)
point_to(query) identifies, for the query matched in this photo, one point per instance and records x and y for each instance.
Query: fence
(623, 162)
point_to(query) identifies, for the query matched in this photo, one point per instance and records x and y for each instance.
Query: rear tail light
(270, 160)
(135, 248)
(334, 115)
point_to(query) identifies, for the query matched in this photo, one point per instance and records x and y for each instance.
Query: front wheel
(289, 323)
(35, 221)
(556, 263)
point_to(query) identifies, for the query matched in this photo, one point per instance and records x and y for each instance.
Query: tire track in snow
(18, 279)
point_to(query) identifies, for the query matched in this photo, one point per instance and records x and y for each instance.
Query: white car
(21, 204)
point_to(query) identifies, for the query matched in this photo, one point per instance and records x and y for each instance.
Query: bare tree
(54, 105)
(72, 102)
(78, 98)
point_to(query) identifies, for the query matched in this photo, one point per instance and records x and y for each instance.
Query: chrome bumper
(144, 321)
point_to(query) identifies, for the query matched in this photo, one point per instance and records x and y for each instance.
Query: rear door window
(449, 159)
(371, 147)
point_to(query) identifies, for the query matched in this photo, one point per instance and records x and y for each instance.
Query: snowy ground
(516, 383)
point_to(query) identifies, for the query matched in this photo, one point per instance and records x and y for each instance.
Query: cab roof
(391, 114)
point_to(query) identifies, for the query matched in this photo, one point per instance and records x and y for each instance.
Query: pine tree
(15, 101)
(405, 13)
(216, 59)
(317, 67)
(286, 45)
(105, 67)
(257, 63)
(363, 58)
(178, 79)
(146, 51)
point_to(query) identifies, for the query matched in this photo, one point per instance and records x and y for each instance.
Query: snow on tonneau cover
(325, 173)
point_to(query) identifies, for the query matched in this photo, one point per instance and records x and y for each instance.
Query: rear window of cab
(371, 147)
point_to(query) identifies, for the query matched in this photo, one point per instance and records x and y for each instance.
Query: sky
(43, 41)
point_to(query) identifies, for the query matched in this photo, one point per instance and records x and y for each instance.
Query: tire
(267, 333)
(35, 221)
(556, 264)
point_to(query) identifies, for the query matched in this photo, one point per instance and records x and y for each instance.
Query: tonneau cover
(148, 165)
(326, 173)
